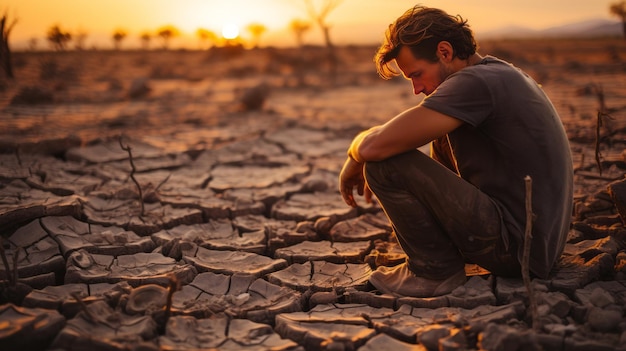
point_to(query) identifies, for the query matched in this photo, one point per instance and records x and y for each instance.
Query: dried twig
(526, 254)
(582, 160)
(598, 156)
(17, 156)
(16, 258)
(602, 113)
(5, 261)
(83, 306)
(132, 174)
(163, 182)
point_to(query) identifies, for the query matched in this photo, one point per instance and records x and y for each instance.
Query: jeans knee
(408, 165)
(379, 172)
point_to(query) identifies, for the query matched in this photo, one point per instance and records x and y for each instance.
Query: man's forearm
(353, 150)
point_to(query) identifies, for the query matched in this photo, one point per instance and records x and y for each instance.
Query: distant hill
(584, 29)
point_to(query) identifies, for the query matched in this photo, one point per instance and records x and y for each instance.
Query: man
(490, 126)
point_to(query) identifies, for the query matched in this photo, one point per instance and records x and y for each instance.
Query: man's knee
(379, 172)
(393, 169)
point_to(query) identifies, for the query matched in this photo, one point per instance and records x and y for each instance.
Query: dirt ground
(93, 95)
(90, 89)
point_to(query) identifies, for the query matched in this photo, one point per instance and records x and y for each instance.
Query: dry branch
(5, 50)
(132, 174)
(5, 261)
(602, 113)
(526, 254)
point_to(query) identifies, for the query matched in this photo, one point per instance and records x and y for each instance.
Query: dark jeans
(441, 221)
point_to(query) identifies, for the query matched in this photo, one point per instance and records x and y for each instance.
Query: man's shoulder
(494, 64)
(489, 59)
(491, 69)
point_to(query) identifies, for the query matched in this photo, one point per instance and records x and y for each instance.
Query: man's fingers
(346, 194)
(349, 200)
(368, 195)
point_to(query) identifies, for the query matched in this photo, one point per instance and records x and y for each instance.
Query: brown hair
(421, 29)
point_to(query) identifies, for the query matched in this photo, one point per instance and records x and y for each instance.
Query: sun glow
(230, 31)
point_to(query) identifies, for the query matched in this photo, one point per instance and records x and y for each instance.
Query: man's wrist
(353, 150)
(352, 155)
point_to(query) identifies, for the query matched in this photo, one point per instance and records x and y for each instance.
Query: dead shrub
(502, 53)
(225, 52)
(141, 61)
(254, 98)
(574, 66)
(48, 69)
(32, 95)
(613, 54)
(139, 88)
(20, 62)
(163, 72)
(242, 71)
(115, 84)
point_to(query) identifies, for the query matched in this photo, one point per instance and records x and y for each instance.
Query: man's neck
(474, 59)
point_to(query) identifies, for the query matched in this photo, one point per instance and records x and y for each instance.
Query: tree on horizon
(79, 39)
(299, 28)
(58, 38)
(205, 35)
(619, 9)
(166, 33)
(32, 44)
(145, 40)
(319, 17)
(118, 36)
(256, 30)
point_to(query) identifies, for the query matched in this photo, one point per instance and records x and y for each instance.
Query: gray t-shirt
(512, 130)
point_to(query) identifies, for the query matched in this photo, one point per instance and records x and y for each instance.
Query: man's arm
(410, 129)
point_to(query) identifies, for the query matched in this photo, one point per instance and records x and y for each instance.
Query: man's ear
(445, 51)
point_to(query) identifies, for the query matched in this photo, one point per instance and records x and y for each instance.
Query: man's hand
(352, 177)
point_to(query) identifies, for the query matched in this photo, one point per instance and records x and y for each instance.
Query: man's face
(424, 75)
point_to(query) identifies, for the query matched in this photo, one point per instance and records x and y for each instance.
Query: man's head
(421, 29)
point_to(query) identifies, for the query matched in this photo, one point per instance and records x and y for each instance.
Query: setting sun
(230, 31)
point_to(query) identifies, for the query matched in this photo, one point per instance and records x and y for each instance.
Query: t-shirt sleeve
(464, 96)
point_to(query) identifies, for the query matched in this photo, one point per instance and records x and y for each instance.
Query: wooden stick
(532, 301)
(597, 150)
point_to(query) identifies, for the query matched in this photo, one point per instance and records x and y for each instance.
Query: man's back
(511, 130)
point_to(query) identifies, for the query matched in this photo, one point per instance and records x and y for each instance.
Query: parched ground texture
(242, 241)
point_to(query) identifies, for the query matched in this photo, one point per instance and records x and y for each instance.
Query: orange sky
(354, 21)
